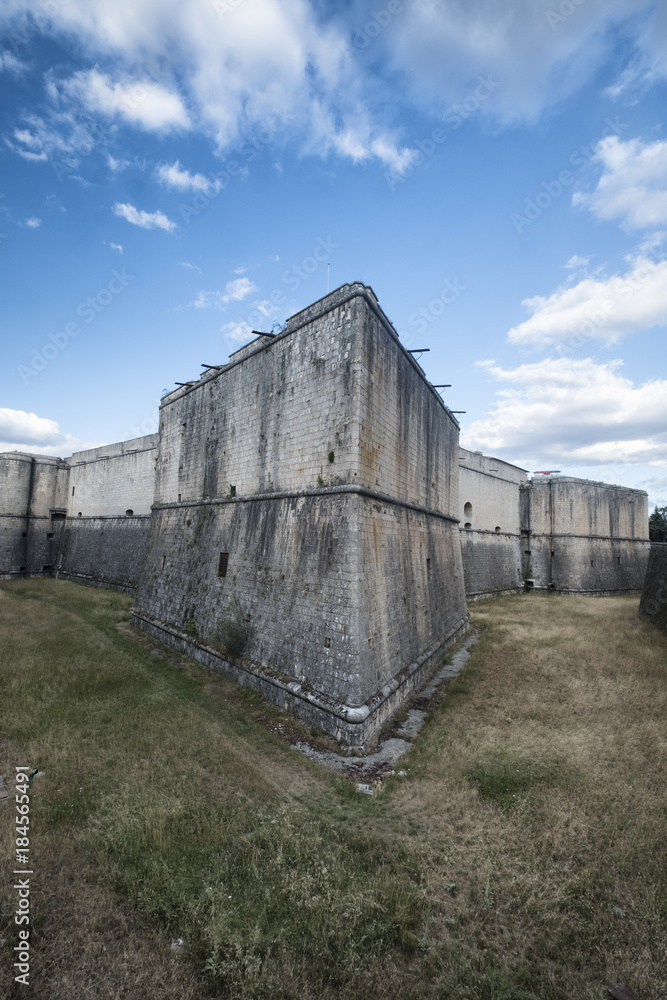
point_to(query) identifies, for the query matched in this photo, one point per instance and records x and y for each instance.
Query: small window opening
(497, 527)
(553, 553)
(525, 531)
(467, 525)
(24, 534)
(49, 534)
(79, 514)
(179, 497)
(552, 586)
(164, 558)
(223, 561)
(428, 566)
(47, 567)
(528, 552)
(467, 509)
(72, 491)
(592, 563)
(129, 512)
(618, 560)
(21, 569)
(327, 643)
(530, 584)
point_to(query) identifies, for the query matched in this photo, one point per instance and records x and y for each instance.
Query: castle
(314, 487)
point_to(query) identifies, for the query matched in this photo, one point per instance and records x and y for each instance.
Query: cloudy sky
(175, 175)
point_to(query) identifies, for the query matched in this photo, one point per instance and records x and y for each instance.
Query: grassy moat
(523, 854)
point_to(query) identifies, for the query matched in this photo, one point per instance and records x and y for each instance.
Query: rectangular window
(222, 563)
(49, 534)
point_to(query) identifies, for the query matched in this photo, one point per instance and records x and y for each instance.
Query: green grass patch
(504, 778)
(170, 809)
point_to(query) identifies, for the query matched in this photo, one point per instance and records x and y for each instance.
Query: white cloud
(264, 70)
(10, 64)
(573, 411)
(576, 262)
(538, 60)
(174, 176)
(33, 222)
(61, 136)
(238, 289)
(115, 246)
(656, 487)
(238, 332)
(143, 103)
(189, 266)
(251, 77)
(598, 308)
(19, 427)
(633, 185)
(22, 431)
(147, 220)
(116, 165)
(234, 291)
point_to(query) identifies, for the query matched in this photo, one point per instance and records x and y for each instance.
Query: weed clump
(234, 632)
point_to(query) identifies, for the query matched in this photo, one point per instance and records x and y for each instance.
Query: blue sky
(176, 175)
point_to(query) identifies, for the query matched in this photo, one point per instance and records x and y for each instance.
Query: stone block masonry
(83, 518)
(313, 489)
(653, 605)
(585, 537)
(489, 509)
(315, 481)
(33, 501)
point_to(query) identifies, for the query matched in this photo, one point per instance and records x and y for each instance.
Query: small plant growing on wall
(234, 631)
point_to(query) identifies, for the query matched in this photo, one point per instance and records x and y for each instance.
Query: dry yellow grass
(523, 855)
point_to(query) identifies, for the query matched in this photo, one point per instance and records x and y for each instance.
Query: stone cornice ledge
(352, 714)
(321, 492)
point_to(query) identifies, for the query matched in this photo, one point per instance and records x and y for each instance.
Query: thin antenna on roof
(328, 269)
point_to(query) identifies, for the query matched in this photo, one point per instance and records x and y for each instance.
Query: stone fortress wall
(316, 480)
(490, 513)
(313, 479)
(110, 492)
(653, 605)
(33, 505)
(83, 518)
(584, 537)
(549, 532)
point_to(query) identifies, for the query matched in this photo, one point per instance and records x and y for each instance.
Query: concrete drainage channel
(378, 765)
